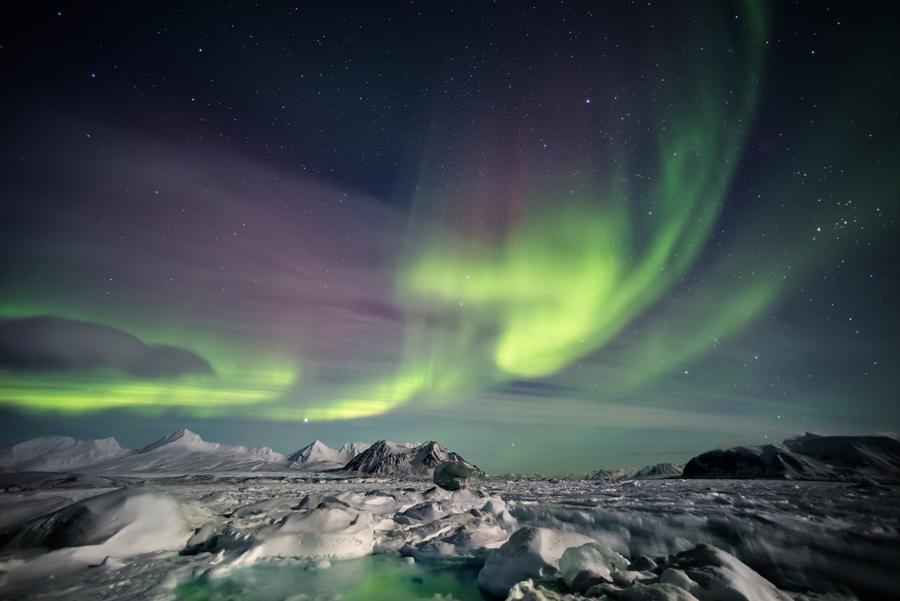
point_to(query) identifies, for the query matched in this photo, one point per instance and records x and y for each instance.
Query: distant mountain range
(183, 451)
(806, 457)
(650, 472)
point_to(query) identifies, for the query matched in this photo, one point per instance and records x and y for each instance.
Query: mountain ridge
(183, 450)
(388, 458)
(806, 457)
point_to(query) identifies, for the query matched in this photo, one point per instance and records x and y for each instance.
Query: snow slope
(101, 531)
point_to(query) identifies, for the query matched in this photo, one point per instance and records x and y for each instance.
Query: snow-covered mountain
(182, 439)
(660, 470)
(650, 472)
(59, 453)
(390, 458)
(764, 461)
(807, 457)
(266, 454)
(611, 475)
(351, 449)
(185, 451)
(315, 453)
(319, 456)
(876, 454)
(179, 451)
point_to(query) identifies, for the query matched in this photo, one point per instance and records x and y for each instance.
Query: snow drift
(101, 530)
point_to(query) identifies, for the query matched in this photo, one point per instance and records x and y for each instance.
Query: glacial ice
(647, 539)
(592, 558)
(454, 475)
(529, 553)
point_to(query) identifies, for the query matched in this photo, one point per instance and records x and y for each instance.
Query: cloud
(48, 343)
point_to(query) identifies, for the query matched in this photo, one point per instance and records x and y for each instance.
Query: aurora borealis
(553, 236)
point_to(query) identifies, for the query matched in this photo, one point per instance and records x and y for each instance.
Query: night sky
(555, 236)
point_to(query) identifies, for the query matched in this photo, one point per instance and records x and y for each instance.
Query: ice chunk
(331, 531)
(720, 575)
(423, 512)
(678, 578)
(594, 558)
(454, 475)
(527, 591)
(651, 592)
(529, 553)
(642, 564)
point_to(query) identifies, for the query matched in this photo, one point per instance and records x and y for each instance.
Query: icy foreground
(68, 536)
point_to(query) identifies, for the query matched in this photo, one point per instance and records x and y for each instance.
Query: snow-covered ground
(170, 537)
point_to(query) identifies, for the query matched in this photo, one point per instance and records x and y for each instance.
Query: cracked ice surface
(110, 537)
